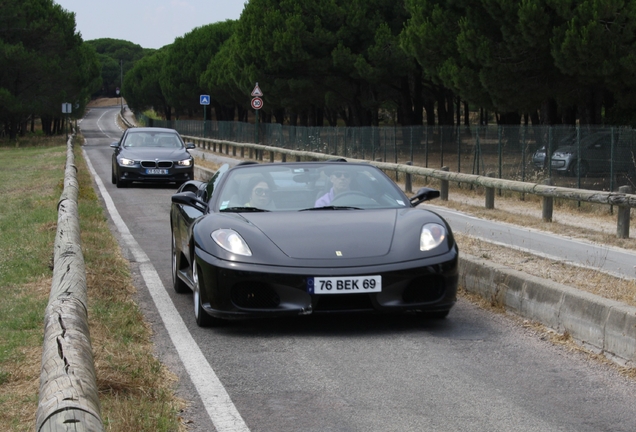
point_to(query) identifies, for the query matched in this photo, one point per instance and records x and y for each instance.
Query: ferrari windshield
(307, 186)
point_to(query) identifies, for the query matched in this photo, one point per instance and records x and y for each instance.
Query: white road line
(215, 398)
(102, 130)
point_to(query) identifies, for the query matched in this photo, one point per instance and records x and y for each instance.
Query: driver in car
(341, 181)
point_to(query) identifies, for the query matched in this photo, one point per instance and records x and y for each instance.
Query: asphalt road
(474, 371)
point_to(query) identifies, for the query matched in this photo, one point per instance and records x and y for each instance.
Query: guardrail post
(548, 203)
(443, 187)
(490, 194)
(408, 186)
(284, 157)
(233, 150)
(622, 227)
(242, 152)
(271, 156)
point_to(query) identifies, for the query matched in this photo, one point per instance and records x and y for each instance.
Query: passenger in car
(260, 193)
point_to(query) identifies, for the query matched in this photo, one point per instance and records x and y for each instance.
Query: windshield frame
(297, 186)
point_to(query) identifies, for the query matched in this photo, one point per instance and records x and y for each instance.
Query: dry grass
(105, 102)
(29, 203)
(20, 381)
(589, 222)
(136, 390)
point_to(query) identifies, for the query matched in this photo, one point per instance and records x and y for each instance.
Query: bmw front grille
(156, 164)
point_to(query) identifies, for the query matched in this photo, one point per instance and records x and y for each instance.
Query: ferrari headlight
(185, 162)
(432, 235)
(231, 241)
(127, 162)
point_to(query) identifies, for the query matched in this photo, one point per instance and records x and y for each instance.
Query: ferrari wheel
(201, 316)
(178, 285)
(113, 177)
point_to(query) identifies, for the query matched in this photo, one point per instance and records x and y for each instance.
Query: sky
(149, 23)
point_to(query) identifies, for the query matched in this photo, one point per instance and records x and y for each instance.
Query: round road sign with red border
(257, 103)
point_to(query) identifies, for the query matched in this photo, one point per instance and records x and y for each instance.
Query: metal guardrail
(624, 199)
(68, 397)
(514, 152)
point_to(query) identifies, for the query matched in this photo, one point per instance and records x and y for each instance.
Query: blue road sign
(204, 99)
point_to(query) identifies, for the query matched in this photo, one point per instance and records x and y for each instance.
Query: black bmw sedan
(282, 239)
(155, 155)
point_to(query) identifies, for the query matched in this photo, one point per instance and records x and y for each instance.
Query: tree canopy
(361, 61)
(357, 62)
(117, 57)
(43, 64)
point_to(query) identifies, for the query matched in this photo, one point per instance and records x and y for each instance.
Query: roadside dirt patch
(105, 102)
(594, 224)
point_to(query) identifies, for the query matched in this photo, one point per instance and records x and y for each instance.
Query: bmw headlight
(231, 241)
(432, 235)
(125, 161)
(185, 162)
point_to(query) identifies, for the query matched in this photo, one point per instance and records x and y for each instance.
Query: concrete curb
(603, 325)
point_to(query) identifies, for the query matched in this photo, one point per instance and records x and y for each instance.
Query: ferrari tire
(113, 177)
(200, 315)
(179, 286)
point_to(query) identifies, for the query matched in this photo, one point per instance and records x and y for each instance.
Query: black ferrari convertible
(278, 239)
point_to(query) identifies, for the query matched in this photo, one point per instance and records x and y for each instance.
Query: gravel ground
(593, 223)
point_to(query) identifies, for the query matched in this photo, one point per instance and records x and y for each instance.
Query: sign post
(205, 101)
(66, 109)
(257, 104)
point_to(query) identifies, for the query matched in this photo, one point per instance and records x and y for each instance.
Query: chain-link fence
(521, 153)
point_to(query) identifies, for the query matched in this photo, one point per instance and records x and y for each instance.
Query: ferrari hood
(329, 234)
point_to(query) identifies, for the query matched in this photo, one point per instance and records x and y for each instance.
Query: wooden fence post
(548, 203)
(490, 194)
(622, 227)
(443, 187)
(408, 186)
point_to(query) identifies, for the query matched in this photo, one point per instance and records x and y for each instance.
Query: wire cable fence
(521, 153)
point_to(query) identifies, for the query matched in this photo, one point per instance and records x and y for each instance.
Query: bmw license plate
(344, 284)
(157, 171)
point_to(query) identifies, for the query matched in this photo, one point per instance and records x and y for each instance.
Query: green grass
(30, 186)
(136, 391)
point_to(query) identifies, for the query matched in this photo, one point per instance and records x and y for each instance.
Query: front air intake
(254, 295)
(424, 290)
